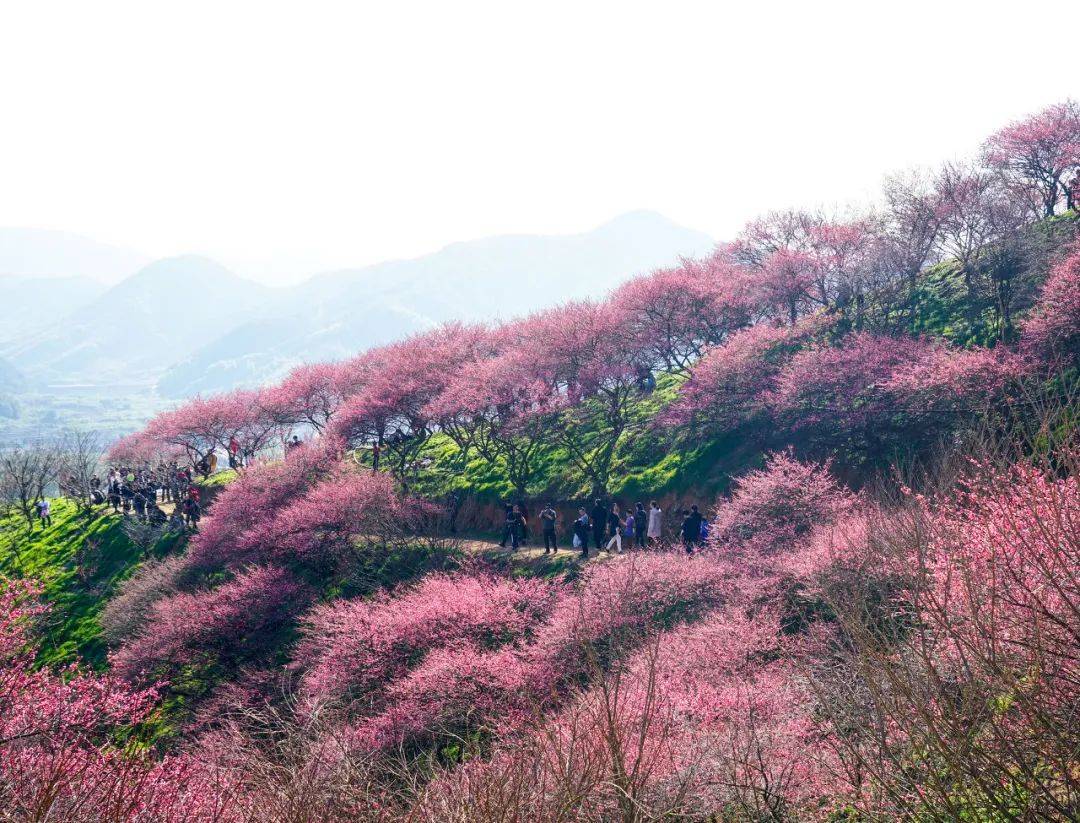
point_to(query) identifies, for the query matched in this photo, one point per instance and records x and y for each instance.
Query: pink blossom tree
(677, 312)
(309, 395)
(491, 406)
(389, 412)
(593, 368)
(1039, 154)
(731, 385)
(834, 396)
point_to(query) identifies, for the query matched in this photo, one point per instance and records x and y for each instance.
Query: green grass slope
(78, 561)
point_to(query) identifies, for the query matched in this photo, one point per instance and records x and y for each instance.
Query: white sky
(309, 134)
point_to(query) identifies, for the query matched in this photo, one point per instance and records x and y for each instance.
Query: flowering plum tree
(211, 627)
(61, 750)
(675, 313)
(309, 395)
(593, 370)
(834, 395)
(1039, 154)
(731, 384)
(202, 425)
(491, 406)
(772, 509)
(390, 410)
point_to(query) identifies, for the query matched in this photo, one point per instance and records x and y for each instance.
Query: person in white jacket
(656, 521)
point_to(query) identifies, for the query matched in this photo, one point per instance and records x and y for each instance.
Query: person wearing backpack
(548, 517)
(691, 529)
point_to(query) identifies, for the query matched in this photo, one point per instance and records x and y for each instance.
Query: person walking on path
(547, 519)
(599, 523)
(691, 529)
(508, 527)
(615, 523)
(641, 524)
(656, 522)
(44, 510)
(581, 532)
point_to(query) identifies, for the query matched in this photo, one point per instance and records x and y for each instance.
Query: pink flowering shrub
(834, 397)
(244, 506)
(675, 313)
(1051, 332)
(61, 755)
(351, 649)
(962, 668)
(211, 626)
(732, 383)
(770, 510)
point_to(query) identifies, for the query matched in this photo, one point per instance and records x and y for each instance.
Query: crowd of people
(139, 493)
(604, 527)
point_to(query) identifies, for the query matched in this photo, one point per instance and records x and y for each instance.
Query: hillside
(815, 501)
(31, 304)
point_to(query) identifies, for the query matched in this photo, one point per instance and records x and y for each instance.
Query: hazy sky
(316, 134)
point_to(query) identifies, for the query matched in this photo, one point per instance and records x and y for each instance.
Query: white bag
(577, 541)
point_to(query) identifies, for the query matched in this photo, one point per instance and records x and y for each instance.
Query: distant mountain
(143, 325)
(29, 304)
(336, 314)
(10, 377)
(47, 253)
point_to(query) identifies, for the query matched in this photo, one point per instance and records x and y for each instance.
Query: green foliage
(216, 481)
(943, 306)
(79, 561)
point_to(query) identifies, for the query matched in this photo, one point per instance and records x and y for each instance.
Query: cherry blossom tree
(834, 396)
(62, 755)
(677, 312)
(1039, 154)
(202, 425)
(390, 411)
(491, 406)
(595, 372)
(309, 395)
(731, 385)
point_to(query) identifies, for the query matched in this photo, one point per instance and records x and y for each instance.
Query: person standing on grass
(547, 519)
(581, 532)
(599, 523)
(615, 524)
(44, 510)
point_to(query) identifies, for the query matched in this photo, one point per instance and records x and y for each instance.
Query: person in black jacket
(641, 523)
(599, 522)
(509, 532)
(691, 529)
(581, 531)
(548, 518)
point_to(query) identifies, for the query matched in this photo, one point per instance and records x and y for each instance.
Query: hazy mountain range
(187, 325)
